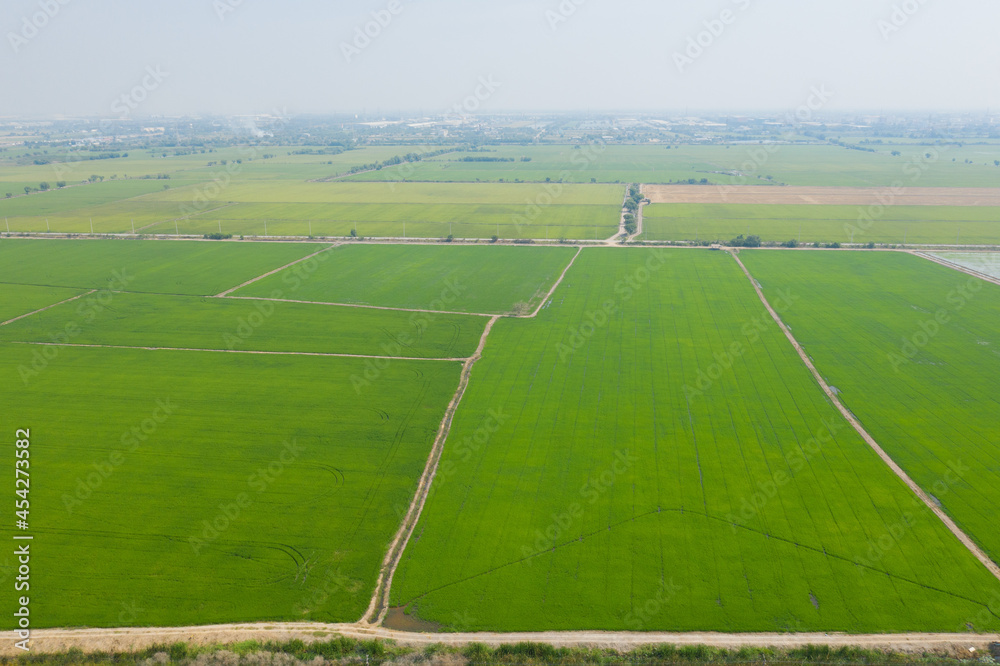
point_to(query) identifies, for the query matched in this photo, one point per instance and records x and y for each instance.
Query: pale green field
(821, 223)
(789, 164)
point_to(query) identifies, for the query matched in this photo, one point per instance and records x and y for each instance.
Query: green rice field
(491, 280)
(142, 320)
(593, 160)
(18, 300)
(914, 349)
(651, 454)
(175, 488)
(825, 224)
(162, 267)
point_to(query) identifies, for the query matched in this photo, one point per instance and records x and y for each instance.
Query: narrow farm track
(554, 287)
(47, 307)
(379, 605)
(239, 351)
(638, 218)
(106, 640)
(276, 270)
(990, 565)
(356, 305)
(954, 266)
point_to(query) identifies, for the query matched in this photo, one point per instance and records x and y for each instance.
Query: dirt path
(355, 305)
(638, 215)
(47, 307)
(917, 490)
(57, 640)
(379, 605)
(554, 287)
(237, 351)
(621, 222)
(949, 264)
(276, 270)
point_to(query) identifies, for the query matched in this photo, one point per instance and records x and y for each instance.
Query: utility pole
(91, 226)
(133, 226)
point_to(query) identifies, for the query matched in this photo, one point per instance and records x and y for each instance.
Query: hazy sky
(252, 56)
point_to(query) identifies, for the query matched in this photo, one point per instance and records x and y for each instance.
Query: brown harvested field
(843, 196)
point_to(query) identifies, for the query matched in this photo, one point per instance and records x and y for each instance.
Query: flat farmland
(830, 196)
(400, 220)
(291, 208)
(411, 193)
(184, 488)
(488, 279)
(650, 453)
(823, 223)
(17, 300)
(239, 162)
(914, 349)
(194, 268)
(803, 165)
(187, 322)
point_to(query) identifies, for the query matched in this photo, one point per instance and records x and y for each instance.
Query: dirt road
(56, 640)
